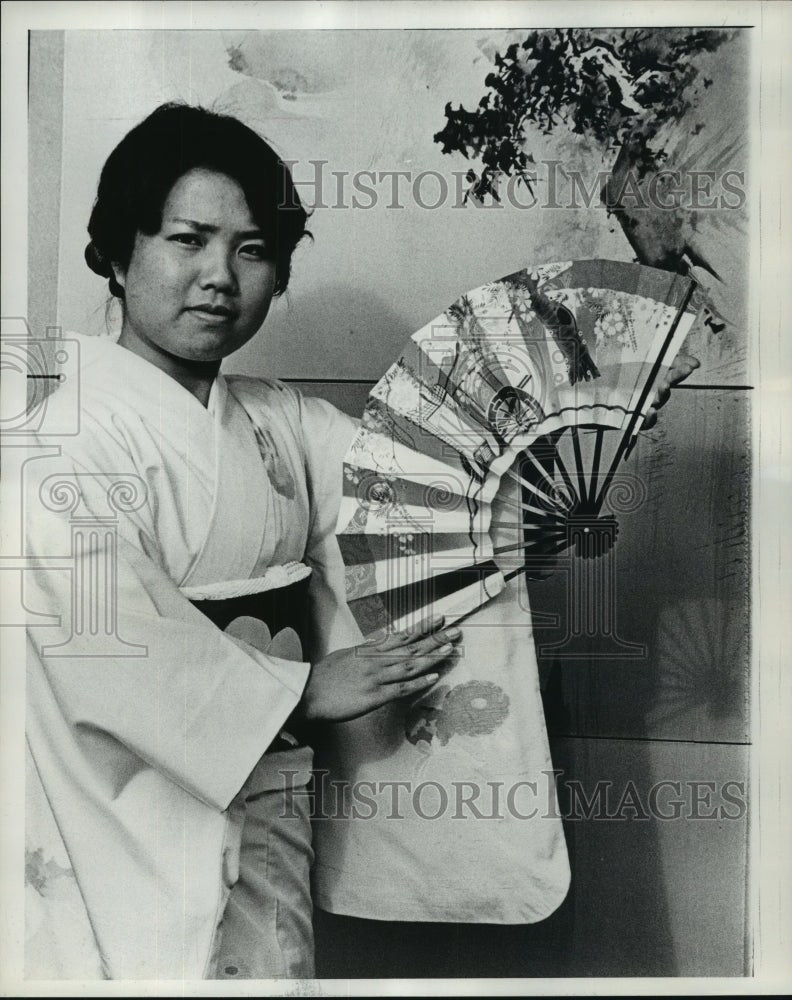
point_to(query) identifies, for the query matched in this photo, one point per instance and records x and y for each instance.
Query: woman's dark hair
(174, 139)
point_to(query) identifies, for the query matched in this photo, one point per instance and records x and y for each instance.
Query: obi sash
(279, 609)
(269, 613)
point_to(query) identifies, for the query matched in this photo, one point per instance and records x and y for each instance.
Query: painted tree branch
(612, 88)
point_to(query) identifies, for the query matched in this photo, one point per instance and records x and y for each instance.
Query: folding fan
(543, 377)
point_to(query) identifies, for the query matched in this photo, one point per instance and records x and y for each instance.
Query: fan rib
(595, 464)
(519, 546)
(565, 475)
(582, 486)
(551, 493)
(537, 492)
(526, 507)
(627, 441)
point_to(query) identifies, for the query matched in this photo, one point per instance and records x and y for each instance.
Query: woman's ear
(119, 273)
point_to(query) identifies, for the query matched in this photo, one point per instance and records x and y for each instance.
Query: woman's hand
(683, 366)
(351, 682)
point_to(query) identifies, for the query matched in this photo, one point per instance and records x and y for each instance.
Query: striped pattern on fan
(557, 358)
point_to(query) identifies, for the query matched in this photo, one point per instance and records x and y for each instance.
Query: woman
(191, 532)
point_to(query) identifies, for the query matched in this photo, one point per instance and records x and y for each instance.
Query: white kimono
(144, 719)
(137, 761)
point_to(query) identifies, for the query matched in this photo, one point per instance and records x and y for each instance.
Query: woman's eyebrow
(206, 227)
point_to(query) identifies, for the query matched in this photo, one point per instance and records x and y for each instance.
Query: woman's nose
(218, 270)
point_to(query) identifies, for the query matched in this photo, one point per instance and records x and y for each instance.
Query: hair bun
(100, 265)
(97, 262)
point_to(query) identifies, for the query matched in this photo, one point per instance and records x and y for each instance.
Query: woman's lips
(213, 314)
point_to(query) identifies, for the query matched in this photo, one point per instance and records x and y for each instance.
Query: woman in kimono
(185, 557)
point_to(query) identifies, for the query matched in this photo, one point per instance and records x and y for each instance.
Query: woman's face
(201, 287)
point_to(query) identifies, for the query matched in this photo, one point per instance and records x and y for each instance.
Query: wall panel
(653, 896)
(350, 396)
(45, 97)
(677, 665)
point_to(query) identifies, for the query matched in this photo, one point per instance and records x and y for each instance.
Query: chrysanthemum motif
(472, 709)
(612, 327)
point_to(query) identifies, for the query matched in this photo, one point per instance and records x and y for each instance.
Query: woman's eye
(187, 239)
(256, 250)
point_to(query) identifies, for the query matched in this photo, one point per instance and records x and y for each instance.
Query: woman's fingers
(398, 639)
(410, 666)
(401, 689)
(405, 663)
(407, 658)
(431, 642)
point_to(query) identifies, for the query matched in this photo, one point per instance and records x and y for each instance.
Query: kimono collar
(126, 375)
(218, 443)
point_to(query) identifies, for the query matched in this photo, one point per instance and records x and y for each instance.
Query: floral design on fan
(550, 276)
(399, 388)
(552, 281)
(368, 448)
(406, 544)
(461, 313)
(490, 295)
(613, 321)
(378, 420)
(476, 708)
(612, 325)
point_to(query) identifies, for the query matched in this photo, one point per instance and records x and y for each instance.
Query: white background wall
(360, 100)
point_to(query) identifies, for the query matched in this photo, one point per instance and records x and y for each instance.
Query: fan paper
(515, 363)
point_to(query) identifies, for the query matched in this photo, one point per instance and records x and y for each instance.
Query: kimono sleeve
(327, 434)
(136, 672)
